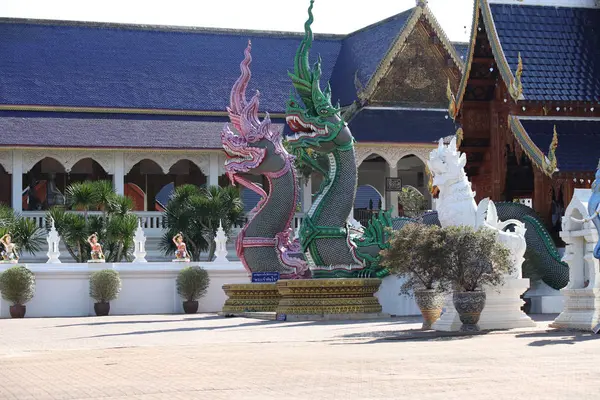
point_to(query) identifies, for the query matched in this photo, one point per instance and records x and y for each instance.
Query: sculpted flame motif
(258, 150)
(334, 248)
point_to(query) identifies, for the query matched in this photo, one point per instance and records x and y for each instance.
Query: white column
(213, 170)
(17, 180)
(391, 198)
(119, 174)
(307, 195)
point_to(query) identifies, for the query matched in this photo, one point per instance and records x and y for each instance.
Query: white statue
(221, 244)
(456, 202)
(139, 244)
(456, 206)
(53, 240)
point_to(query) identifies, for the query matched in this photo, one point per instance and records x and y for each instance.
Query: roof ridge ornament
(515, 88)
(421, 3)
(551, 159)
(452, 108)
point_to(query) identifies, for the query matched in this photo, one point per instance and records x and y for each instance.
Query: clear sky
(331, 16)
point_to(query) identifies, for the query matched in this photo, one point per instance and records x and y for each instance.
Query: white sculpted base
(502, 309)
(582, 294)
(456, 206)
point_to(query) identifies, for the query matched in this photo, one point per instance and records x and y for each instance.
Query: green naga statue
(334, 248)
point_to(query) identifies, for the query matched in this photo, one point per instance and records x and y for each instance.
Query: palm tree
(196, 213)
(82, 196)
(115, 227)
(24, 232)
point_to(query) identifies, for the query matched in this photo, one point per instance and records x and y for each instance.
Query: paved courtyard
(208, 357)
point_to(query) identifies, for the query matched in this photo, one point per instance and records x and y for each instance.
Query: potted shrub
(418, 254)
(476, 259)
(17, 285)
(105, 286)
(192, 283)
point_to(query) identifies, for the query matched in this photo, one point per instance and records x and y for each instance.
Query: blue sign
(281, 317)
(265, 277)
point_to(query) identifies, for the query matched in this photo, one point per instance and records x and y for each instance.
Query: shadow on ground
(555, 337)
(252, 324)
(100, 322)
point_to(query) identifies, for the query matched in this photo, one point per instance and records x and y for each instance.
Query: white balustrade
(152, 223)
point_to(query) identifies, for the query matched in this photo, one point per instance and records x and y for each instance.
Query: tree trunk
(211, 249)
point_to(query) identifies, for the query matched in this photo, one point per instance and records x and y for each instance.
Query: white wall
(62, 290)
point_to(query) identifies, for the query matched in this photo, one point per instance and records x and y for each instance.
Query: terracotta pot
(102, 309)
(190, 307)
(430, 302)
(17, 311)
(469, 306)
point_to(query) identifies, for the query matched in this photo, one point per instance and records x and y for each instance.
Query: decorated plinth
(246, 298)
(328, 299)
(502, 309)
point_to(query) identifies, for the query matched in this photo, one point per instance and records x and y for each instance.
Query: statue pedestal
(581, 311)
(328, 299)
(544, 299)
(96, 261)
(246, 298)
(502, 309)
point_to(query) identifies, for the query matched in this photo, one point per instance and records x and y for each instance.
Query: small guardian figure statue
(9, 254)
(181, 253)
(96, 253)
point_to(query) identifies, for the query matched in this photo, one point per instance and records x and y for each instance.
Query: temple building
(529, 102)
(144, 106)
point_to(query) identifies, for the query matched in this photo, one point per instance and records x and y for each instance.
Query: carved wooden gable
(416, 76)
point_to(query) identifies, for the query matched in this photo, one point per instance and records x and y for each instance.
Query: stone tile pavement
(209, 357)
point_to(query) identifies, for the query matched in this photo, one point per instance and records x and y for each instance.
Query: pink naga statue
(264, 244)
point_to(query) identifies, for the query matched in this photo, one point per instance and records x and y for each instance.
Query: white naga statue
(456, 203)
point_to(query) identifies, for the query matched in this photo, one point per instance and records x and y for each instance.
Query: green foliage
(105, 285)
(115, 226)
(17, 285)
(418, 253)
(196, 212)
(24, 232)
(475, 258)
(412, 201)
(192, 283)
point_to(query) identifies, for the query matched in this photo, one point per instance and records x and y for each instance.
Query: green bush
(418, 253)
(476, 258)
(105, 285)
(17, 285)
(192, 283)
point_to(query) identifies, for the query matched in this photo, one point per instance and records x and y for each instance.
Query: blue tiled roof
(578, 141)
(100, 65)
(401, 126)
(559, 46)
(462, 49)
(362, 51)
(49, 129)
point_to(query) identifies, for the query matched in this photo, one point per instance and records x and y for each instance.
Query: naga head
(309, 112)
(446, 164)
(256, 149)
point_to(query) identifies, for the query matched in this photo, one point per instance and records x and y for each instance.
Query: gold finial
(451, 101)
(430, 178)
(516, 87)
(552, 153)
(459, 137)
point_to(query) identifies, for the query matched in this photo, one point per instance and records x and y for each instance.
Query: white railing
(152, 221)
